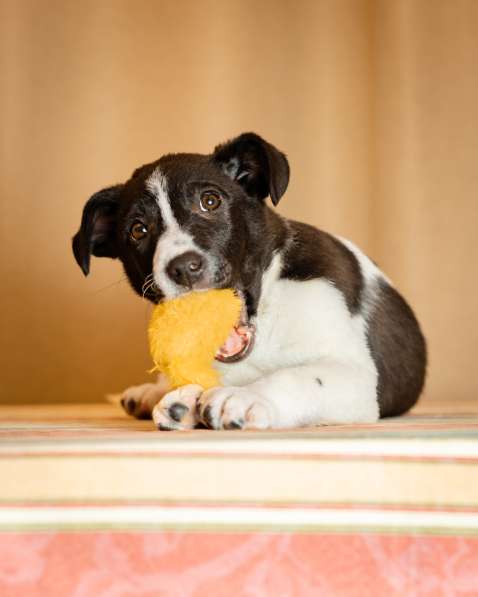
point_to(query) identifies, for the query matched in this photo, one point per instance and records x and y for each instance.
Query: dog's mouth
(240, 341)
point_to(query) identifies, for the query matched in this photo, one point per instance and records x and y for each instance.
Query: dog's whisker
(149, 286)
(122, 279)
(148, 282)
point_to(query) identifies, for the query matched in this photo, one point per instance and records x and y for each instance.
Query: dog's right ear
(97, 233)
(256, 165)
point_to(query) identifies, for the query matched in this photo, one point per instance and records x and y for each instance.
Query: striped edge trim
(406, 448)
(281, 504)
(149, 518)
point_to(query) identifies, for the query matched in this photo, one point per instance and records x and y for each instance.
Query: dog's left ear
(256, 165)
(97, 233)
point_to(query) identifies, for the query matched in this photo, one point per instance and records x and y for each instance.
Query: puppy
(324, 338)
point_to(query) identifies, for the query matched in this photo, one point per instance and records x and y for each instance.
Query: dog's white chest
(298, 323)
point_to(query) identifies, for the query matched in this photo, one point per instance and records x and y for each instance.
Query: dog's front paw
(234, 408)
(177, 409)
(139, 401)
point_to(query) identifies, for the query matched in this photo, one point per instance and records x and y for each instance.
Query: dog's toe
(234, 408)
(207, 417)
(177, 409)
(210, 406)
(259, 416)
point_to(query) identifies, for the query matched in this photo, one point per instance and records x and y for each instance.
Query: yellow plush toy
(185, 334)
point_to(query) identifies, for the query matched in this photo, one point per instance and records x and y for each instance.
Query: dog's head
(190, 221)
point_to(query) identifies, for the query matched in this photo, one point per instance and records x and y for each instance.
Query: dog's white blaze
(158, 186)
(173, 241)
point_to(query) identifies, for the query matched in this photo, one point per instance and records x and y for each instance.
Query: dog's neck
(274, 241)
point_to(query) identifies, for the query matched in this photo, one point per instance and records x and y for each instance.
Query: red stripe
(346, 430)
(247, 455)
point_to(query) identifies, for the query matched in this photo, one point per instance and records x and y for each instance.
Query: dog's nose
(185, 269)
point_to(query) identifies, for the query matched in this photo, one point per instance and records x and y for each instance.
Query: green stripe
(260, 503)
(372, 434)
(208, 457)
(245, 528)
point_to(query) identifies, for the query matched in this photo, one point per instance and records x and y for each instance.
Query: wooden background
(375, 103)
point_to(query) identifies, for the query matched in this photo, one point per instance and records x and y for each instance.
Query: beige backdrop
(375, 103)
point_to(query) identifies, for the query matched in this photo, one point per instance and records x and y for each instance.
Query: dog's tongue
(237, 341)
(233, 344)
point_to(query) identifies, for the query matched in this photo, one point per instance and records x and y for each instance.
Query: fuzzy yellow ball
(185, 334)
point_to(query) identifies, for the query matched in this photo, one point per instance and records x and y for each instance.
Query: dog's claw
(206, 416)
(239, 424)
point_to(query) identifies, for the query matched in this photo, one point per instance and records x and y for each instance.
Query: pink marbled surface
(239, 564)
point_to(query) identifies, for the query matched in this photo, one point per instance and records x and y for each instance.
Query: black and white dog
(324, 337)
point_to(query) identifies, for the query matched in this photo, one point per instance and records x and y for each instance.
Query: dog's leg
(139, 401)
(327, 392)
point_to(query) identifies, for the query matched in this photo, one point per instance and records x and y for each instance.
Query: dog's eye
(138, 231)
(210, 201)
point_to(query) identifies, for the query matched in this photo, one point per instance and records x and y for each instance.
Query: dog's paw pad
(177, 410)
